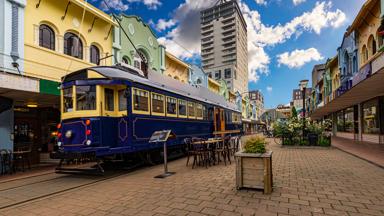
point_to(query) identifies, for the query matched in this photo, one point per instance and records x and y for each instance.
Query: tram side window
(109, 99)
(191, 109)
(199, 111)
(205, 113)
(171, 106)
(182, 108)
(122, 100)
(140, 100)
(85, 97)
(67, 99)
(157, 103)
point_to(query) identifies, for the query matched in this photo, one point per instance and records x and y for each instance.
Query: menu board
(161, 136)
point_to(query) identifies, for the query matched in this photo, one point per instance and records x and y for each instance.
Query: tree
(294, 112)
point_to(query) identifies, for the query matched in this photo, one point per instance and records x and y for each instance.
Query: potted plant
(254, 166)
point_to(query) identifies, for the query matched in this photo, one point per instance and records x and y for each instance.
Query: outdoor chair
(200, 153)
(221, 150)
(22, 157)
(6, 161)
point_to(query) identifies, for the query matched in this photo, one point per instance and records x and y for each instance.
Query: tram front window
(67, 99)
(85, 98)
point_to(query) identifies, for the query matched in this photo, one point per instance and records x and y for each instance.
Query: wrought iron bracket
(93, 23)
(109, 32)
(38, 4)
(66, 10)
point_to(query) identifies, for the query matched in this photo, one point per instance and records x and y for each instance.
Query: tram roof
(157, 80)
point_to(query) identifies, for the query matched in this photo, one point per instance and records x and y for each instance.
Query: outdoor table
(211, 148)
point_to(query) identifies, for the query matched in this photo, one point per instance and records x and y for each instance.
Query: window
(364, 54)
(372, 45)
(140, 100)
(205, 113)
(67, 99)
(171, 106)
(109, 99)
(95, 55)
(227, 73)
(380, 36)
(157, 103)
(85, 97)
(349, 120)
(46, 37)
(210, 75)
(140, 60)
(73, 45)
(126, 60)
(122, 100)
(182, 108)
(218, 74)
(371, 117)
(199, 111)
(191, 110)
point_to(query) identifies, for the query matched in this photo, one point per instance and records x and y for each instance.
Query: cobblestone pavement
(307, 182)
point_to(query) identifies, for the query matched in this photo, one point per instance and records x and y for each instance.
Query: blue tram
(114, 110)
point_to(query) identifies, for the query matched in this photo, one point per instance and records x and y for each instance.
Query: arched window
(176, 78)
(198, 81)
(354, 65)
(95, 54)
(126, 60)
(46, 37)
(140, 60)
(73, 45)
(372, 45)
(380, 37)
(347, 63)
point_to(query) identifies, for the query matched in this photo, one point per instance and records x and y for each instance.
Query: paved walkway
(307, 182)
(371, 152)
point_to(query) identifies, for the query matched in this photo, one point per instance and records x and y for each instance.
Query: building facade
(357, 110)
(48, 39)
(224, 50)
(146, 48)
(297, 98)
(176, 68)
(257, 98)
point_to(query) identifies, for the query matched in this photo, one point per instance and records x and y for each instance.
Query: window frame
(194, 110)
(53, 35)
(97, 98)
(62, 100)
(166, 107)
(134, 111)
(98, 54)
(105, 110)
(66, 52)
(197, 105)
(186, 108)
(125, 111)
(154, 113)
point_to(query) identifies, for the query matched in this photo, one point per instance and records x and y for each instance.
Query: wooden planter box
(254, 171)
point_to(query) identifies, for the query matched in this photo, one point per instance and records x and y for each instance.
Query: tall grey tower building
(224, 49)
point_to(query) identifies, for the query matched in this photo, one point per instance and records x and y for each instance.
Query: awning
(367, 89)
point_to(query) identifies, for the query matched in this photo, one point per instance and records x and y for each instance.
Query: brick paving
(307, 182)
(371, 152)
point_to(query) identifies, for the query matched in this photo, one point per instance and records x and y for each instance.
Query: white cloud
(184, 39)
(298, 58)
(151, 4)
(261, 2)
(163, 24)
(269, 88)
(114, 4)
(297, 2)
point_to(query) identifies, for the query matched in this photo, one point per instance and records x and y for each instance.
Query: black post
(304, 90)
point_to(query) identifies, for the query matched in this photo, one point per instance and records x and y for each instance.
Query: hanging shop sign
(16, 82)
(363, 74)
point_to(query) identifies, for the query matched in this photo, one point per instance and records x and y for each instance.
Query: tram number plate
(161, 136)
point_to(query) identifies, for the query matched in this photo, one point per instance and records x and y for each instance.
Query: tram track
(22, 194)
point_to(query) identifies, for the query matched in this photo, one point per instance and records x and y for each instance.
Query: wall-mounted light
(32, 105)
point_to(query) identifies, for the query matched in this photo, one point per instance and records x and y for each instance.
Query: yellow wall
(213, 85)
(366, 30)
(53, 64)
(335, 76)
(176, 68)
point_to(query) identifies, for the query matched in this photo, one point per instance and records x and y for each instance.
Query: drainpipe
(360, 123)
(15, 31)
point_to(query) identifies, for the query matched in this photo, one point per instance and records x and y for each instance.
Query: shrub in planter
(255, 145)
(254, 166)
(324, 141)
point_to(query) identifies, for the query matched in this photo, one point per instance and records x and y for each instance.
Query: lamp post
(303, 87)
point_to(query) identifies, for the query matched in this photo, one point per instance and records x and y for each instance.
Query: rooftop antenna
(129, 39)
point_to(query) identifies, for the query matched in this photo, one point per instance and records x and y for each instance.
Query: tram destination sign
(162, 136)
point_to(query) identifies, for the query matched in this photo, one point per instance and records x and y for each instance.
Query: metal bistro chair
(6, 161)
(221, 150)
(201, 153)
(22, 157)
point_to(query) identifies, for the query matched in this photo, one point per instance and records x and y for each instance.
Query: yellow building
(176, 68)
(335, 75)
(367, 24)
(64, 36)
(213, 85)
(59, 37)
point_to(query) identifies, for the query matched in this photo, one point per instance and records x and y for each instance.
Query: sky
(286, 38)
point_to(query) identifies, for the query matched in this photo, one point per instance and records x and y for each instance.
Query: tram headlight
(89, 142)
(59, 144)
(68, 134)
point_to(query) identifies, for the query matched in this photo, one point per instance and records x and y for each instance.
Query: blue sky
(285, 37)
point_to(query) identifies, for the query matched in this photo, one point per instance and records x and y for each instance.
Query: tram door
(219, 119)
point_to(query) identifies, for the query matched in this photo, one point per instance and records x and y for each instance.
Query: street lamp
(303, 87)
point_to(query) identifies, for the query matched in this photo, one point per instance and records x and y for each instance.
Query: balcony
(229, 44)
